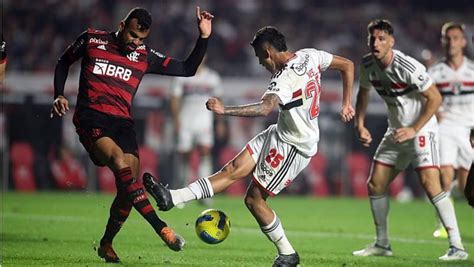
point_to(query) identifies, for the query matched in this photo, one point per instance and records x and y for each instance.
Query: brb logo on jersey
(103, 67)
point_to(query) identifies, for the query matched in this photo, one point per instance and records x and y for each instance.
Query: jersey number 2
(313, 90)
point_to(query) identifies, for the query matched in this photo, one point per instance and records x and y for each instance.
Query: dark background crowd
(37, 32)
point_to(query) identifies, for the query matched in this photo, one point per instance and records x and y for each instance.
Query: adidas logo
(102, 47)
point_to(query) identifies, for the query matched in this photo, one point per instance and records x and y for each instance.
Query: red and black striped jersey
(109, 78)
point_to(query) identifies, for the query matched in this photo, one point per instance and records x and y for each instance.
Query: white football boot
(454, 254)
(373, 250)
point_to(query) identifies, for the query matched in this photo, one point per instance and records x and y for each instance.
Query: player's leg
(119, 211)
(118, 214)
(448, 153)
(426, 163)
(380, 177)
(429, 179)
(126, 168)
(270, 224)
(238, 168)
(447, 173)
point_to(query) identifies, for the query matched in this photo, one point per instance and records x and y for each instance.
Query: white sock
(274, 231)
(380, 207)
(199, 189)
(446, 213)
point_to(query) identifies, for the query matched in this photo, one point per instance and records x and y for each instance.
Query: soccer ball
(212, 226)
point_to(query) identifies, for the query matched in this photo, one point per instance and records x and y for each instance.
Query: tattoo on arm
(262, 108)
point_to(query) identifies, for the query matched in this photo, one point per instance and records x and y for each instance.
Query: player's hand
(403, 134)
(215, 105)
(364, 136)
(347, 113)
(204, 20)
(60, 107)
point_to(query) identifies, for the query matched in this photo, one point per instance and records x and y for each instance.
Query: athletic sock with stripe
(446, 213)
(274, 231)
(199, 189)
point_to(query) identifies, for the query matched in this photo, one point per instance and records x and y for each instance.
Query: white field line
(40, 217)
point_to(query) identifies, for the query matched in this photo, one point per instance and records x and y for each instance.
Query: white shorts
(277, 163)
(422, 151)
(455, 146)
(198, 131)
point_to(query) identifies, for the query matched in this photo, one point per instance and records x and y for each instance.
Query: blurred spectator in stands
(3, 59)
(35, 43)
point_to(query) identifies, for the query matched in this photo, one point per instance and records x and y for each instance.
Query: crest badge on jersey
(133, 56)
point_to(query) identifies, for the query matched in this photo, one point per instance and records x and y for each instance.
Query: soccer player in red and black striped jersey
(112, 66)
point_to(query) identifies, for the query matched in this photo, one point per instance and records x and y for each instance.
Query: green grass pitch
(63, 229)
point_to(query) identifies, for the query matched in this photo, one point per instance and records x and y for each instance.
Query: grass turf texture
(63, 229)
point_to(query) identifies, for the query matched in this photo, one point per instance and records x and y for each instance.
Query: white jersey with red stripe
(457, 89)
(298, 85)
(400, 85)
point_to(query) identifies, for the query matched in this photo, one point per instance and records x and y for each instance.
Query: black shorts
(92, 125)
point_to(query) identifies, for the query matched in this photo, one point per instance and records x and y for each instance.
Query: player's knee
(375, 188)
(250, 202)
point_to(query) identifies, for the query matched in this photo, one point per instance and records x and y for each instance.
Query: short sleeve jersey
(457, 89)
(298, 85)
(400, 85)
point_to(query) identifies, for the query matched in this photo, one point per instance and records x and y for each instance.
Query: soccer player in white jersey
(411, 99)
(454, 77)
(193, 124)
(274, 157)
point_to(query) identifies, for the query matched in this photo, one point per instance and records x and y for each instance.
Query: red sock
(119, 211)
(136, 195)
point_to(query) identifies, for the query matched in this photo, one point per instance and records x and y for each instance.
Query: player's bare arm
(361, 108)
(346, 67)
(433, 101)
(204, 19)
(262, 108)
